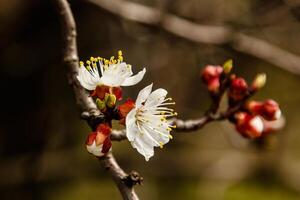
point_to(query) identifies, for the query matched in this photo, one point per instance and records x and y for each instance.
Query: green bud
(259, 81)
(227, 66)
(100, 104)
(110, 100)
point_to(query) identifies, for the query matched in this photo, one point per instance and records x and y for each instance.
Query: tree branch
(216, 35)
(93, 116)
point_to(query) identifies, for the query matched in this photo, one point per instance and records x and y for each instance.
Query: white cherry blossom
(146, 124)
(113, 73)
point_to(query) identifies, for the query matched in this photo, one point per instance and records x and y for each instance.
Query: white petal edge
(156, 97)
(85, 79)
(134, 79)
(146, 150)
(143, 95)
(131, 127)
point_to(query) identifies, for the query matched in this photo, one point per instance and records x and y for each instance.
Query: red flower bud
(268, 109)
(248, 125)
(211, 77)
(238, 89)
(124, 109)
(98, 143)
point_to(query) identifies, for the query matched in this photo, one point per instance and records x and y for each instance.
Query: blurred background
(42, 151)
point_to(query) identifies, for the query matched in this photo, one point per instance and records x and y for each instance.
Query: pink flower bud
(268, 109)
(248, 125)
(98, 143)
(211, 77)
(238, 89)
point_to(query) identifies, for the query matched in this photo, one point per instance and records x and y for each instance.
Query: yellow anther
(163, 119)
(88, 62)
(92, 59)
(175, 113)
(81, 63)
(169, 129)
(120, 53)
(120, 58)
(170, 136)
(161, 145)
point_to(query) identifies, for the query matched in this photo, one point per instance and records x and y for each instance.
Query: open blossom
(110, 73)
(146, 124)
(98, 143)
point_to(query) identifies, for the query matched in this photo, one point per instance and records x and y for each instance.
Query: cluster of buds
(145, 119)
(251, 118)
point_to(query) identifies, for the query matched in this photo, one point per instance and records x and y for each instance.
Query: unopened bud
(92, 146)
(238, 89)
(213, 85)
(248, 125)
(268, 109)
(211, 77)
(259, 81)
(98, 143)
(227, 66)
(100, 104)
(211, 72)
(110, 100)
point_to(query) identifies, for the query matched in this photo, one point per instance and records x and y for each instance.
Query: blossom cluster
(252, 119)
(146, 119)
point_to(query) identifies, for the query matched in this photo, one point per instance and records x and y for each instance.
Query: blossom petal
(112, 80)
(143, 148)
(131, 127)
(143, 95)
(134, 79)
(86, 79)
(156, 97)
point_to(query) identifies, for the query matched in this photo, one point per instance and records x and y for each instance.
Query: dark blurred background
(42, 151)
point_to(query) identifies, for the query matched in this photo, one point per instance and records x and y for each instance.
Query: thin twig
(217, 35)
(124, 181)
